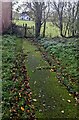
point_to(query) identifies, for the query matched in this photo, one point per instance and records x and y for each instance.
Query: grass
(51, 97)
(15, 102)
(8, 54)
(51, 30)
(21, 22)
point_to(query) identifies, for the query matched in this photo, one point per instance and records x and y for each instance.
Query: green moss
(51, 96)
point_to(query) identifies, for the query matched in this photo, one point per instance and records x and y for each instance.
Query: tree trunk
(44, 28)
(37, 28)
(61, 27)
(73, 21)
(38, 18)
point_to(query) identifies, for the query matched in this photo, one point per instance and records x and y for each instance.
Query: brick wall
(0, 17)
(5, 14)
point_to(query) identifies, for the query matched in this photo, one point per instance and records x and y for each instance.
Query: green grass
(21, 22)
(8, 54)
(13, 80)
(51, 96)
(51, 30)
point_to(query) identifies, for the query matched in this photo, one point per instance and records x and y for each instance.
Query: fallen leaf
(63, 99)
(34, 82)
(76, 98)
(52, 97)
(49, 106)
(44, 104)
(69, 94)
(69, 101)
(22, 108)
(52, 70)
(54, 66)
(29, 95)
(53, 106)
(34, 100)
(40, 110)
(62, 111)
(39, 96)
(75, 104)
(19, 94)
(27, 111)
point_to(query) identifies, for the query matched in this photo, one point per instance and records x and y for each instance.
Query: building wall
(5, 16)
(0, 17)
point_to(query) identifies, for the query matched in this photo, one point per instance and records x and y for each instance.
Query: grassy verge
(52, 100)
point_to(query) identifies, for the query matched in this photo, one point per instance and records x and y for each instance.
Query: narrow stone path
(51, 99)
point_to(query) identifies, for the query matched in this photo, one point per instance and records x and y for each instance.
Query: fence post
(23, 24)
(25, 30)
(33, 29)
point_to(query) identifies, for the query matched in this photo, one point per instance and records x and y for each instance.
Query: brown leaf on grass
(69, 101)
(34, 100)
(22, 108)
(62, 111)
(52, 70)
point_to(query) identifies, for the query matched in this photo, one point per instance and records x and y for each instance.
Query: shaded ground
(51, 98)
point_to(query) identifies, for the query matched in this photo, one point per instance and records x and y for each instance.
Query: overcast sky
(20, 1)
(43, 0)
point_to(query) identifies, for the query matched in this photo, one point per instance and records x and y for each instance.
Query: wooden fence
(24, 31)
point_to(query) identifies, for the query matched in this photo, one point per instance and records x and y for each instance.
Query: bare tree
(37, 9)
(59, 8)
(38, 17)
(45, 16)
(65, 17)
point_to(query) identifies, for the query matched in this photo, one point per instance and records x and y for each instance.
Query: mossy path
(51, 99)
